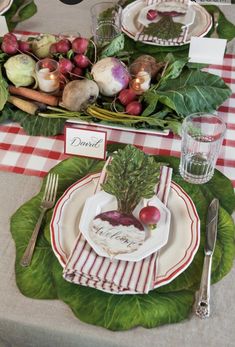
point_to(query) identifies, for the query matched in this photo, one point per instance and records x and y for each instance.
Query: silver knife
(203, 299)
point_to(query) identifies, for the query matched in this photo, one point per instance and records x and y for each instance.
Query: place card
(207, 50)
(85, 143)
(3, 26)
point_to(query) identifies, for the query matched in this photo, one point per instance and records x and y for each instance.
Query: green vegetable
(192, 91)
(164, 29)
(19, 11)
(3, 91)
(20, 70)
(168, 304)
(132, 175)
(41, 45)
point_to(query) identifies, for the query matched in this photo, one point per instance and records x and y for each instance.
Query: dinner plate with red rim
(200, 27)
(174, 257)
(5, 5)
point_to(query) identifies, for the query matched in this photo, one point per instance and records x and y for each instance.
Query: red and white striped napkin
(87, 268)
(163, 42)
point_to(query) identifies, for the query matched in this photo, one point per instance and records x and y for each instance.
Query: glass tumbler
(202, 136)
(106, 22)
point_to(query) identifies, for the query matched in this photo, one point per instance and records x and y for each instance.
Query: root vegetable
(148, 60)
(81, 61)
(111, 75)
(65, 66)
(126, 96)
(134, 108)
(79, 45)
(63, 46)
(41, 45)
(78, 94)
(10, 44)
(20, 70)
(150, 215)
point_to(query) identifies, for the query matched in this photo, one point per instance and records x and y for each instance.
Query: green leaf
(114, 47)
(132, 175)
(33, 125)
(3, 91)
(19, 11)
(164, 29)
(168, 304)
(193, 91)
(174, 69)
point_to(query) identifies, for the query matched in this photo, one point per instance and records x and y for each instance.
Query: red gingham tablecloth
(33, 155)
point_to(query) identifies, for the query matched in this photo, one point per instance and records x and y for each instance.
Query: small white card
(3, 26)
(207, 50)
(85, 143)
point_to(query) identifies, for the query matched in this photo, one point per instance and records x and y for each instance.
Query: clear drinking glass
(202, 136)
(106, 22)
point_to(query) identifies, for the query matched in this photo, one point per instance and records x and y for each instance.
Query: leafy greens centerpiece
(132, 175)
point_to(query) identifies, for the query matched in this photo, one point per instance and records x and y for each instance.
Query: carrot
(26, 106)
(35, 95)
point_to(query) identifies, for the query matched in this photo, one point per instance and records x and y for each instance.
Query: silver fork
(47, 202)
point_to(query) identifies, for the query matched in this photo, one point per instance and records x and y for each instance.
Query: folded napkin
(86, 267)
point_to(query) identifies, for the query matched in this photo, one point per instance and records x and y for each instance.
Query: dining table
(25, 160)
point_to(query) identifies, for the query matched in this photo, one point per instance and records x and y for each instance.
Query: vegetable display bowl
(154, 239)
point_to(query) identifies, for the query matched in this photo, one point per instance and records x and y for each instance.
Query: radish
(81, 61)
(150, 215)
(10, 44)
(53, 48)
(24, 46)
(126, 96)
(79, 45)
(77, 72)
(152, 14)
(134, 108)
(65, 66)
(63, 46)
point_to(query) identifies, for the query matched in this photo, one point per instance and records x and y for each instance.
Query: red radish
(77, 72)
(10, 44)
(149, 215)
(24, 46)
(79, 45)
(63, 46)
(53, 48)
(65, 65)
(152, 14)
(126, 96)
(134, 108)
(81, 61)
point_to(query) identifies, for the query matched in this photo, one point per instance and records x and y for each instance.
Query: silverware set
(47, 202)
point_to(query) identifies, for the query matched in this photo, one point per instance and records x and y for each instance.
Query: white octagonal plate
(155, 239)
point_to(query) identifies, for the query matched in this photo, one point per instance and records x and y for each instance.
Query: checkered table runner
(32, 155)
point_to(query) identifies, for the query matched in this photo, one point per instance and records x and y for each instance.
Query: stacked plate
(195, 22)
(176, 244)
(5, 5)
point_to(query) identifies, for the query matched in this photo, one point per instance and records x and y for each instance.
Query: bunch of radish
(129, 99)
(11, 45)
(76, 49)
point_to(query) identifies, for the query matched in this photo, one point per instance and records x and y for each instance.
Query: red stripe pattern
(85, 267)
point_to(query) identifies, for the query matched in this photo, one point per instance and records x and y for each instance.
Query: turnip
(111, 75)
(41, 45)
(117, 232)
(78, 94)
